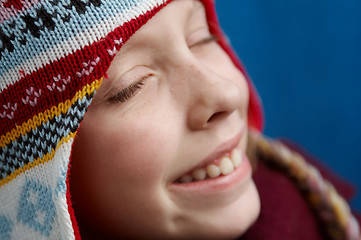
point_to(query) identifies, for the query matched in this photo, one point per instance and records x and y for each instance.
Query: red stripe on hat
(15, 3)
(60, 80)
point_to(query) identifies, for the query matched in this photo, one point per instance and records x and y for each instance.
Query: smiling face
(160, 151)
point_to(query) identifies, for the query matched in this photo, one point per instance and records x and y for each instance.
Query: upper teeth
(226, 166)
(213, 171)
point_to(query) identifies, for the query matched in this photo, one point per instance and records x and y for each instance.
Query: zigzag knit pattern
(53, 57)
(43, 139)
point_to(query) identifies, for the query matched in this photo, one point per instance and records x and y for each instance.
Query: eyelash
(128, 92)
(211, 38)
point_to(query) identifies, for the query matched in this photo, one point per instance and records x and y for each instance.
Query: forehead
(178, 13)
(178, 18)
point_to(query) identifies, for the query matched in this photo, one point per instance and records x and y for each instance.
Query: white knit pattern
(49, 177)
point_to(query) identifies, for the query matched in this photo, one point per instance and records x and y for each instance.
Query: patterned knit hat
(53, 55)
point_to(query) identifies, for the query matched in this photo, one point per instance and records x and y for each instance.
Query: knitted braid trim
(330, 207)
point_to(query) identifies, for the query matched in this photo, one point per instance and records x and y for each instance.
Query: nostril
(216, 116)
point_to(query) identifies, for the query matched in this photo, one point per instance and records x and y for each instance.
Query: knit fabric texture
(53, 57)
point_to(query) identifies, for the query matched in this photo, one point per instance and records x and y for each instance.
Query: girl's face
(173, 105)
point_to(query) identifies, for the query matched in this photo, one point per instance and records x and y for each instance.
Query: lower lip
(224, 183)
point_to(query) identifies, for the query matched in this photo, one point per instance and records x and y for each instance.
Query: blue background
(304, 57)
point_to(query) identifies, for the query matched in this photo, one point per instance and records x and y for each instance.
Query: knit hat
(53, 56)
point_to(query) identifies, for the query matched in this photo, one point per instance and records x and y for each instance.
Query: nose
(211, 96)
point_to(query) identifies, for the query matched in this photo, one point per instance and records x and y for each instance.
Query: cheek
(243, 109)
(120, 164)
(128, 151)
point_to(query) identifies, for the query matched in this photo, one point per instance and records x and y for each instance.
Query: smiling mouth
(222, 166)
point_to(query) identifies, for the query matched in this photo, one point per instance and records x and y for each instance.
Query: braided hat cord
(330, 207)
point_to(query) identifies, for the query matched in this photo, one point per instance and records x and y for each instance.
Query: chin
(227, 222)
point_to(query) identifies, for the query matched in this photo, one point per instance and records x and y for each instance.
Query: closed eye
(211, 38)
(128, 92)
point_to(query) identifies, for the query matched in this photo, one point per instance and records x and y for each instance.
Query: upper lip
(219, 151)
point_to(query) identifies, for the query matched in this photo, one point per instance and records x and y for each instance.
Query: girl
(161, 150)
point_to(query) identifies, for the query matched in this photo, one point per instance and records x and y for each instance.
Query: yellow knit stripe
(36, 162)
(45, 116)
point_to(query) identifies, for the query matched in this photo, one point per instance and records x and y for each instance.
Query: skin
(127, 154)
